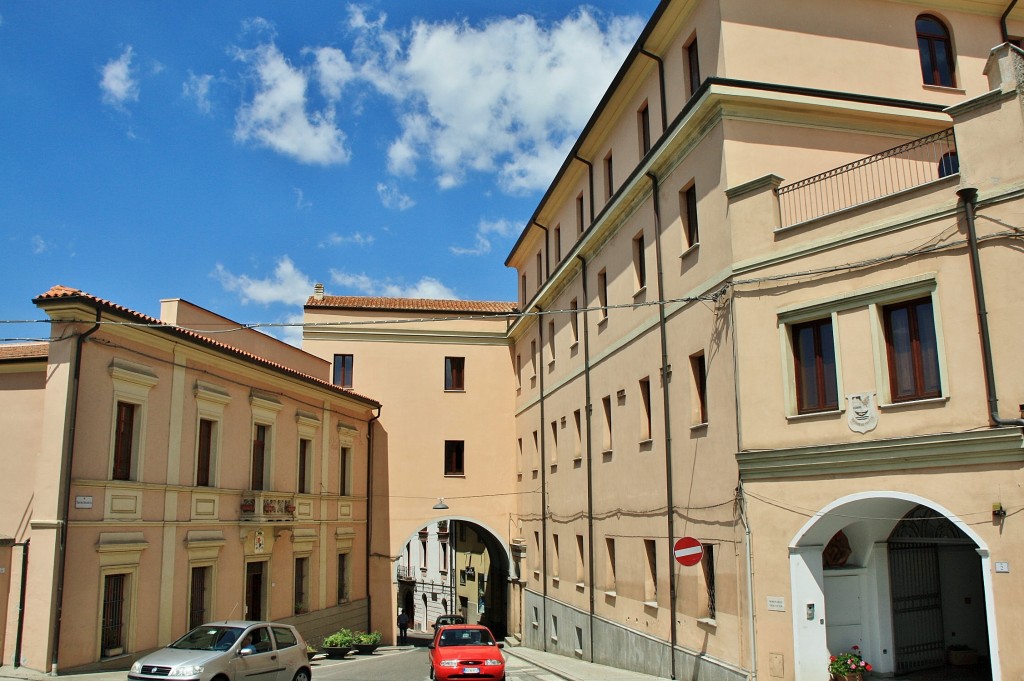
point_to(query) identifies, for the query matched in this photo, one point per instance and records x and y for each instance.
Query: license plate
(470, 670)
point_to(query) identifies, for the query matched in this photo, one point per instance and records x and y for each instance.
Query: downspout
(661, 86)
(543, 479)
(65, 511)
(741, 501)
(665, 374)
(590, 186)
(547, 251)
(1002, 26)
(369, 512)
(590, 462)
(968, 196)
(21, 602)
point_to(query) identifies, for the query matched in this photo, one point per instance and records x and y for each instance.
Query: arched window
(949, 164)
(936, 51)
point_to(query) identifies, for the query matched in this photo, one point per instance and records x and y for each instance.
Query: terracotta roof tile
(412, 304)
(16, 351)
(62, 292)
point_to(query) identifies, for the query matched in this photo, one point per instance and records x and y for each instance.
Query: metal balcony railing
(892, 171)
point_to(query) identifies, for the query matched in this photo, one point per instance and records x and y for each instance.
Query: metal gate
(916, 606)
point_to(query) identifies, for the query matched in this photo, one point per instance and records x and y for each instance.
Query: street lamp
(440, 505)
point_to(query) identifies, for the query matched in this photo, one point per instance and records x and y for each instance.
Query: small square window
(454, 373)
(454, 457)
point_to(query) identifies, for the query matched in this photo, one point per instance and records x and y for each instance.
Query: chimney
(318, 291)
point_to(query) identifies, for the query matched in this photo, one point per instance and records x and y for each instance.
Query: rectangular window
(533, 359)
(519, 457)
(912, 349)
(551, 340)
(114, 617)
(522, 289)
(645, 409)
(639, 262)
(443, 555)
(301, 585)
(536, 452)
(581, 563)
(454, 463)
(602, 293)
(536, 551)
(343, 577)
(688, 210)
(260, 438)
(345, 472)
(578, 443)
(692, 67)
(707, 565)
(580, 218)
(554, 444)
(651, 573)
(609, 182)
(343, 370)
(519, 371)
(124, 441)
(814, 360)
(556, 236)
(540, 270)
(554, 556)
(305, 465)
(423, 549)
(606, 404)
(610, 577)
(643, 121)
(700, 388)
(454, 373)
(199, 596)
(574, 319)
(204, 452)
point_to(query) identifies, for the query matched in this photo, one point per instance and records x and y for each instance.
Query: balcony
(267, 507)
(884, 174)
(405, 574)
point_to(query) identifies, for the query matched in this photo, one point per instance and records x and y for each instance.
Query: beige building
(751, 313)
(158, 474)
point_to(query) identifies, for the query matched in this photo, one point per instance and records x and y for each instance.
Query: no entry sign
(688, 551)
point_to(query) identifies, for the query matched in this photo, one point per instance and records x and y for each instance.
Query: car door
(262, 664)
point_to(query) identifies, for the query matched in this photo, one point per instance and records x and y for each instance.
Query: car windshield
(210, 637)
(466, 637)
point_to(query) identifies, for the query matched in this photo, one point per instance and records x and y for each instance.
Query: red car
(466, 651)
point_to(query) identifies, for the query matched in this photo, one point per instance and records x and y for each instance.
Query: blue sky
(234, 153)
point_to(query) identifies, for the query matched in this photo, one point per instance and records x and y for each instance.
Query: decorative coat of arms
(861, 412)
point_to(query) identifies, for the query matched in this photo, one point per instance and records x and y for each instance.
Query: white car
(229, 651)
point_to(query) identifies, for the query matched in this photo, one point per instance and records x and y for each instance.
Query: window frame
(643, 121)
(699, 374)
(609, 176)
(454, 374)
(454, 458)
(916, 355)
(344, 370)
(821, 376)
(131, 384)
(639, 262)
(688, 213)
(693, 79)
(928, 47)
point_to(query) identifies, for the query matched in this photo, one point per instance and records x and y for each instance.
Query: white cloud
(301, 202)
(392, 198)
(40, 245)
(333, 71)
(197, 89)
(117, 84)
(288, 285)
(484, 232)
(276, 116)
(426, 287)
(358, 238)
(292, 333)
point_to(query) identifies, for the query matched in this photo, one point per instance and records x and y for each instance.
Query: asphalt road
(408, 665)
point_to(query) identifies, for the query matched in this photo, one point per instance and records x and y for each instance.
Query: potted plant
(268, 507)
(311, 652)
(290, 508)
(848, 666)
(339, 644)
(366, 643)
(248, 506)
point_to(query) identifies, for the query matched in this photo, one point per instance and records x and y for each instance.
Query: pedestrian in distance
(403, 628)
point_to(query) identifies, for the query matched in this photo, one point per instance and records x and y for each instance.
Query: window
(554, 444)
(949, 164)
(554, 557)
(556, 236)
(700, 388)
(609, 181)
(519, 371)
(688, 210)
(519, 457)
(551, 340)
(540, 270)
(114, 626)
(692, 67)
(454, 451)
(936, 51)
(912, 350)
(651, 574)
(577, 451)
(345, 472)
(536, 551)
(305, 465)
(442, 555)
(204, 452)
(610, 577)
(707, 565)
(522, 289)
(124, 441)
(261, 436)
(536, 452)
(533, 359)
(580, 222)
(639, 262)
(423, 549)
(645, 409)
(343, 370)
(199, 595)
(301, 591)
(643, 121)
(606, 403)
(602, 293)
(580, 561)
(574, 320)
(814, 359)
(343, 577)
(454, 373)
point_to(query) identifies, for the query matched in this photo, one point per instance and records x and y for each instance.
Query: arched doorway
(859, 562)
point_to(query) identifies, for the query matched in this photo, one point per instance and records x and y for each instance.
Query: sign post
(688, 551)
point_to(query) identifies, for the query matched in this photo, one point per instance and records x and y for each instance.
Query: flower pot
(310, 654)
(336, 653)
(366, 648)
(852, 676)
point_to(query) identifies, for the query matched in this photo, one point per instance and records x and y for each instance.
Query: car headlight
(136, 668)
(488, 663)
(187, 670)
(449, 663)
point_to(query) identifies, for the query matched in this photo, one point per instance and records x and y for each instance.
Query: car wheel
(431, 671)
(301, 675)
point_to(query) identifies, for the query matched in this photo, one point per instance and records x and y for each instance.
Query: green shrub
(367, 639)
(343, 638)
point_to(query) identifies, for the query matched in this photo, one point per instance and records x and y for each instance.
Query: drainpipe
(1002, 21)
(70, 457)
(590, 184)
(590, 462)
(742, 504)
(369, 512)
(543, 475)
(968, 196)
(547, 251)
(665, 374)
(21, 602)
(661, 86)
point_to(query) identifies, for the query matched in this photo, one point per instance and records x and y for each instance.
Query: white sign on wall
(83, 502)
(777, 603)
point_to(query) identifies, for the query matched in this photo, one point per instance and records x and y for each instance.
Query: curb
(537, 663)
